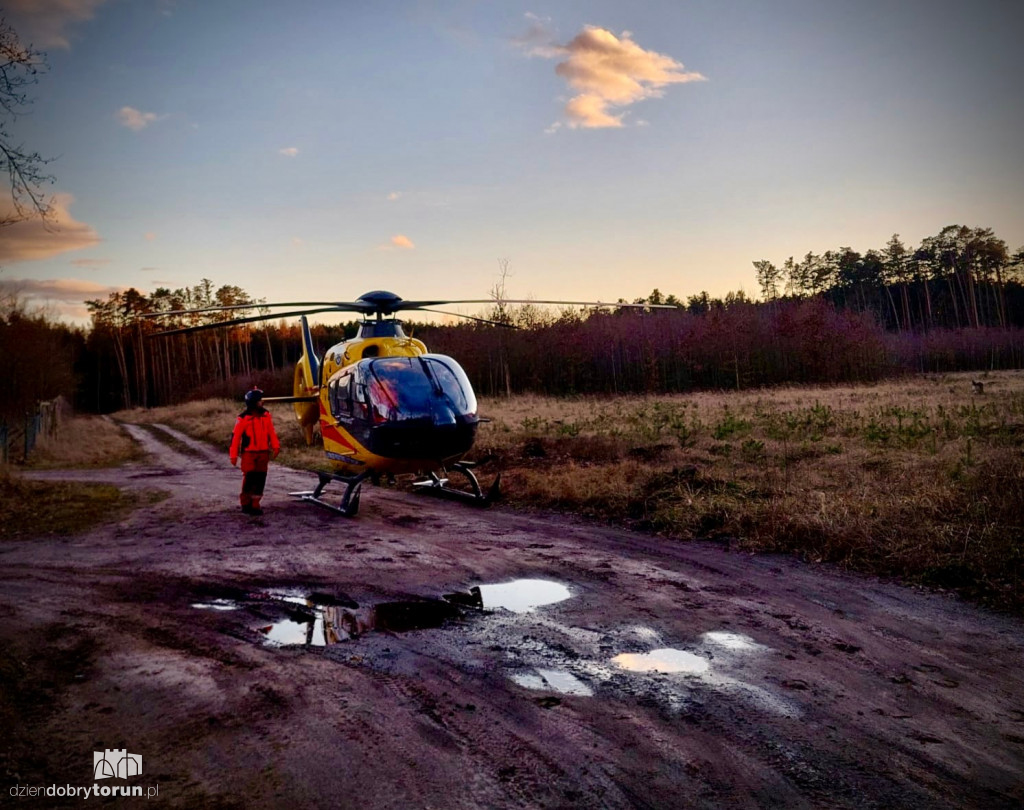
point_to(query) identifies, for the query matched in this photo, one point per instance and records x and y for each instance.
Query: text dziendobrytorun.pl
(87, 792)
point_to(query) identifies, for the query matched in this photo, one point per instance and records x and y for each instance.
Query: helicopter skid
(436, 485)
(350, 498)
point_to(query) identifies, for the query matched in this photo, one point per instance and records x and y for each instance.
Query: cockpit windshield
(431, 386)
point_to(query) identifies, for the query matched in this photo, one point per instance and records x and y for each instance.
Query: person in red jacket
(255, 441)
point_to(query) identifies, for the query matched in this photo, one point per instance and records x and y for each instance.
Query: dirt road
(622, 670)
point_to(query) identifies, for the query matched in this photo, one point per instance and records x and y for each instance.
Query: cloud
(402, 241)
(33, 239)
(591, 111)
(608, 72)
(45, 22)
(90, 262)
(63, 296)
(298, 241)
(59, 290)
(136, 119)
(289, 151)
(394, 195)
(538, 39)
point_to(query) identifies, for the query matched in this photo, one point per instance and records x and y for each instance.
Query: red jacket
(254, 431)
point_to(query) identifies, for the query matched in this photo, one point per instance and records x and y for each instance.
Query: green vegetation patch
(48, 508)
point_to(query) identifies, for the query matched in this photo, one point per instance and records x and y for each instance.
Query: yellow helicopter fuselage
(384, 404)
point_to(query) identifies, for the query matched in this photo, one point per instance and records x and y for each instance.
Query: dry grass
(84, 441)
(210, 420)
(920, 478)
(917, 478)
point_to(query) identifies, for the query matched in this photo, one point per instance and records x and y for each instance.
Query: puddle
(731, 641)
(319, 619)
(666, 660)
(333, 624)
(400, 617)
(554, 680)
(292, 632)
(523, 595)
(291, 598)
(216, 604)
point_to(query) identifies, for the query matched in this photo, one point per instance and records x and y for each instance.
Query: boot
(255, 508)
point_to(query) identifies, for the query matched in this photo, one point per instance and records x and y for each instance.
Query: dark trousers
(254, 476)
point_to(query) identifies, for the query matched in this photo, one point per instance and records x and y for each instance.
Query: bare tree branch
(20, 67)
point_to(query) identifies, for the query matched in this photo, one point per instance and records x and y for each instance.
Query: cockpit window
(340, 395)
(403, 388)
(453, 380)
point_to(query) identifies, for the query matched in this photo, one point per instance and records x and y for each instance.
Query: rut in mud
(429, 654)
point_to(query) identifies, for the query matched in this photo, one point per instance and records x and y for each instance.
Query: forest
(954, 303)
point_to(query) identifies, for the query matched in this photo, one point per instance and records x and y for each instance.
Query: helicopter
(385, 405)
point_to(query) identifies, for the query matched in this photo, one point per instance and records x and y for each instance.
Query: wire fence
(19, 437)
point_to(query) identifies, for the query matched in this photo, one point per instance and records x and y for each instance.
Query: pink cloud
(136, 120)
(34, 239)
(45, 22)
(61, 290)
(608, 72)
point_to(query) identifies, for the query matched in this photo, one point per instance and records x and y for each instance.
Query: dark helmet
(253, 396)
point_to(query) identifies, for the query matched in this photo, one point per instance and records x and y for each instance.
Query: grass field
(61, 508)
(56, 508)
(920, 478)
(83, 442)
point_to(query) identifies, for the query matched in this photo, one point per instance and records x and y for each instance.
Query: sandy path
(798, 686)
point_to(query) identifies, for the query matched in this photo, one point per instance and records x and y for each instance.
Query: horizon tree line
(960, 277)
(839, 316)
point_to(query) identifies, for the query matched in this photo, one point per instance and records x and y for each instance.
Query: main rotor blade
(238, 321)
(370, 307)
(468, 317)
(341, 306)
(502, 301)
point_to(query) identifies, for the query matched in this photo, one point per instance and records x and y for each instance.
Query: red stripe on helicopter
(332, 433)
(329, 431)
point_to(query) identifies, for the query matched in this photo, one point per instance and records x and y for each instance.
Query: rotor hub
(379, 302)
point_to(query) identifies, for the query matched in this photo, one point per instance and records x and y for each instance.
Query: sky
(604, 149)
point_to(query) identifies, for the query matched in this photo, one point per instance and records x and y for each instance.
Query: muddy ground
(638, 672)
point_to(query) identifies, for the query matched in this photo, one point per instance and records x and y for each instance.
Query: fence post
(45, 420)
